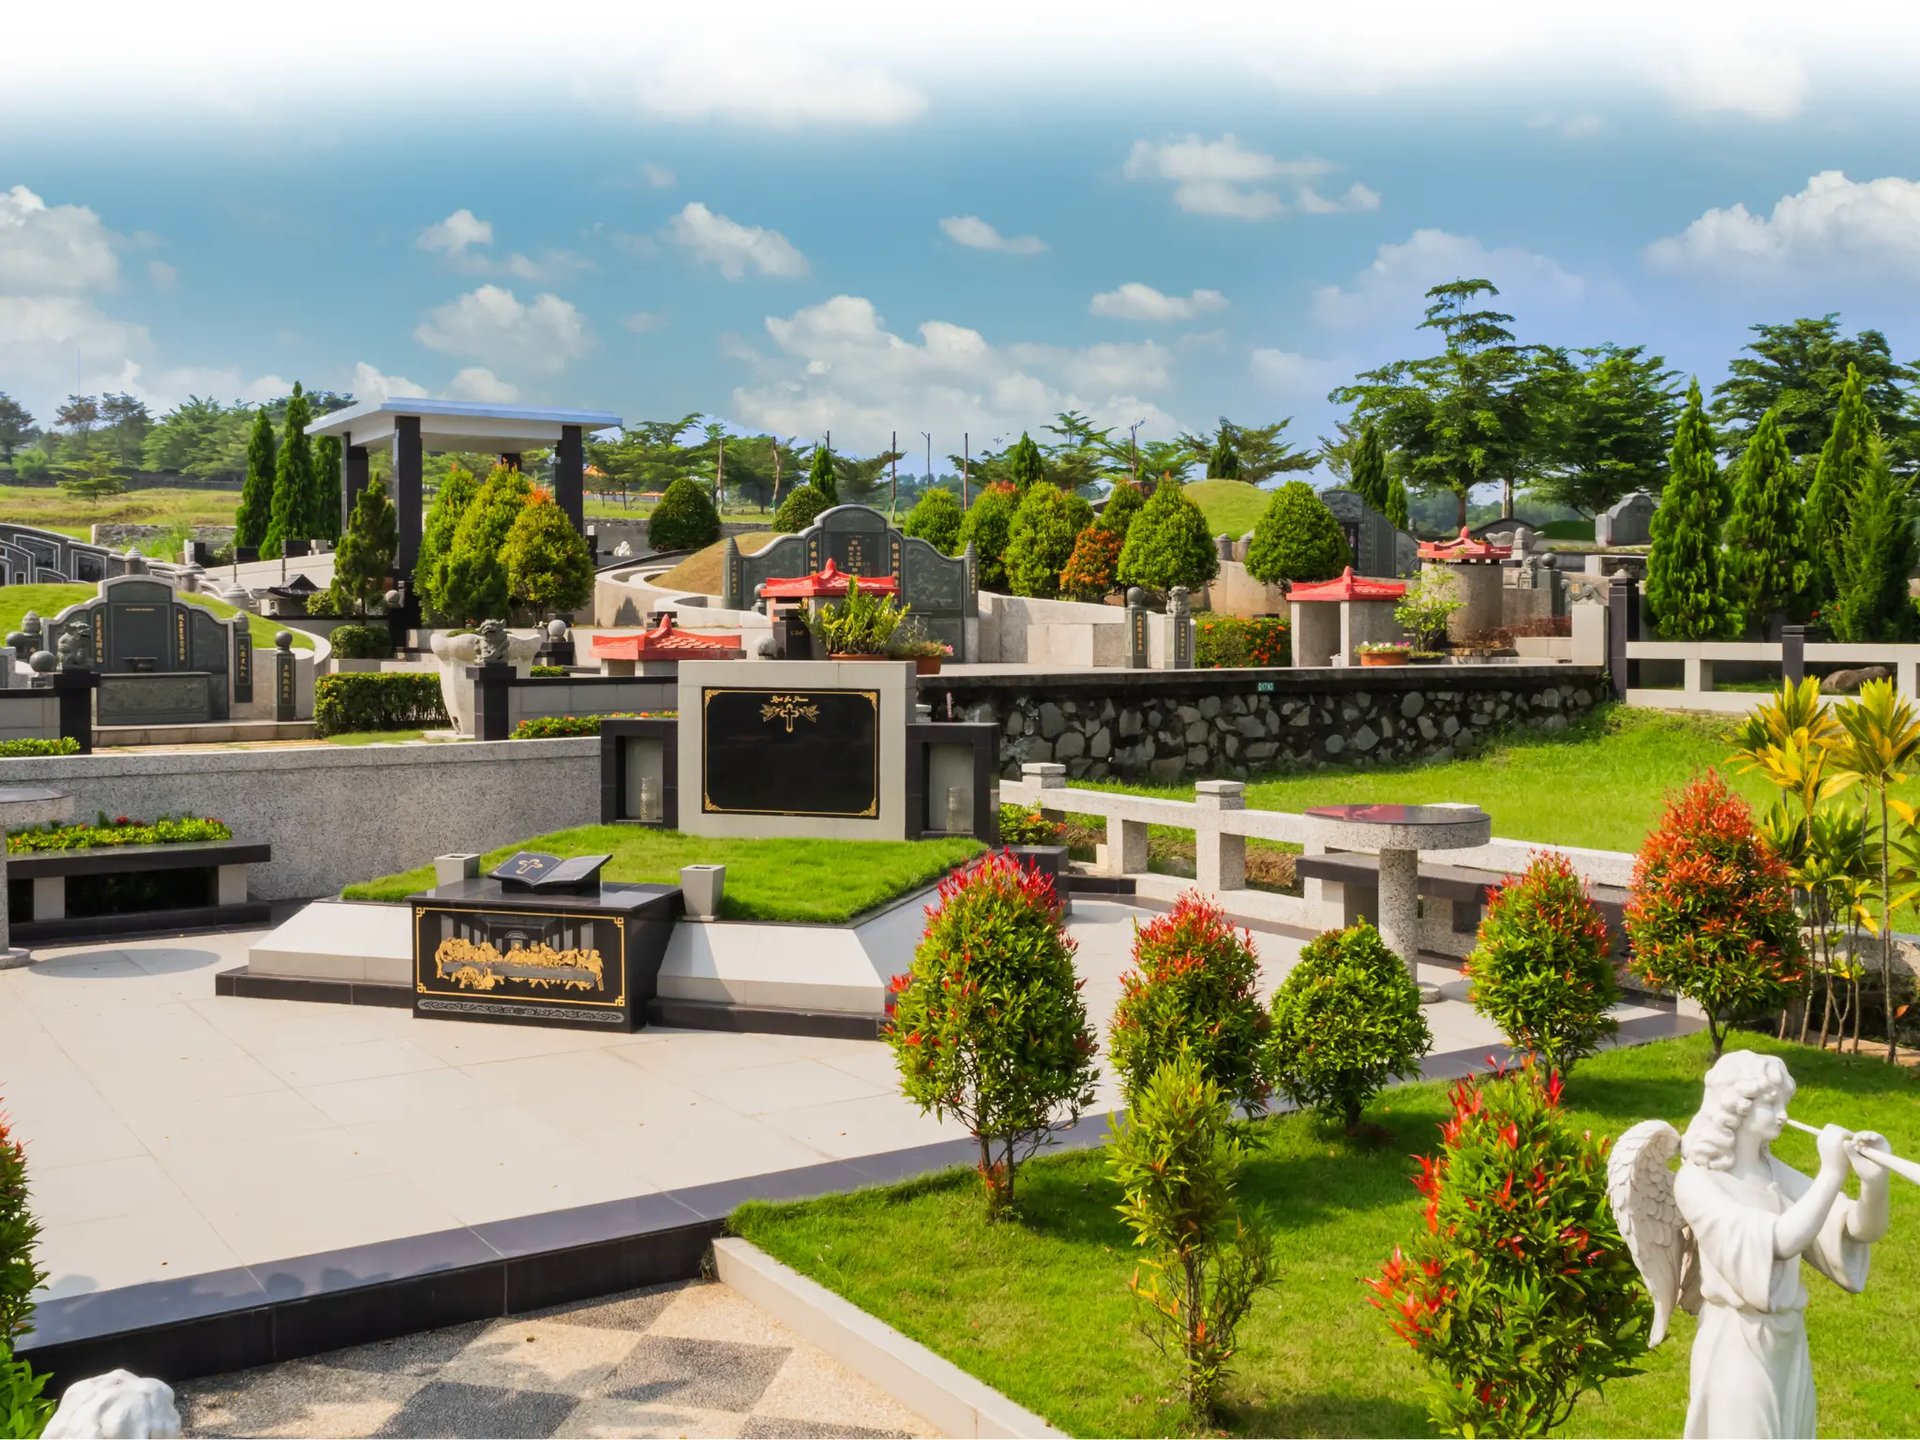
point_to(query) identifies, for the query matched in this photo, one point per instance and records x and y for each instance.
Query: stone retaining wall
(1169, 725)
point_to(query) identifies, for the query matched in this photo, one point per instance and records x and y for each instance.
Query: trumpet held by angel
(1724, 1236)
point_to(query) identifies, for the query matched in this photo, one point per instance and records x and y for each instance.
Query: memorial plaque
(529, 964)
(785, 752)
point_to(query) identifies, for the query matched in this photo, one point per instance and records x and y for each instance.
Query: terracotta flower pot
(927, 664)
(1383, 657)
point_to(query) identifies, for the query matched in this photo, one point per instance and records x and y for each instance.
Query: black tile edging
(247, 1316)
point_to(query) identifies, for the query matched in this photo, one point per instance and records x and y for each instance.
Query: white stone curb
(938, 1391)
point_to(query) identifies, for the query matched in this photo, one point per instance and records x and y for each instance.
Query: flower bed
(120, 830)
(1225, 642)
(565, 727)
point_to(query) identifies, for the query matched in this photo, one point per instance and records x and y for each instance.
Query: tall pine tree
(329, 483)
(1396, 508)
(1223, 461)
(821, 476)
(256, 496)
(1685, 587)
(292, 478)
(1024, 465)
(1766, 565)
(1367, 470)
(450, 504)
(1837, 478)
(1877, 554)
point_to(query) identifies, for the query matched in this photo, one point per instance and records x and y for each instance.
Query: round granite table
(1398, 833)
(22, 805)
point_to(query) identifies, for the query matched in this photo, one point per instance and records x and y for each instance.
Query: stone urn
(454, 653)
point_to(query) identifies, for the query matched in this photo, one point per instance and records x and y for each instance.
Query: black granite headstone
(788, 752)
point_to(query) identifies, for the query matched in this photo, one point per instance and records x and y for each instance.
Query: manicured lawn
(821, 882)
(1039, 1308)
(50, 508)
(1232, 506)
(375, 737)
(1599, 784)
(258, 626)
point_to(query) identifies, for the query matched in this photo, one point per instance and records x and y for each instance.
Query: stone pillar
(1478, 588)
(353, 477)
(1399, 906)
(1623, 625)
(75, 689)
(408, 458)
(490, 699)
(1793, 653)
(1220, 859)
(569, 475)
(1137, 620)
(285, 694)
(1179, 629)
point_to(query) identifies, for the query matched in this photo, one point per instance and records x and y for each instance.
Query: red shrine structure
(665, 641)
(827, 583)
(1348, 586)
(1464, 550)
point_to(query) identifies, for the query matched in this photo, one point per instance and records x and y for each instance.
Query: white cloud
(733, 247)
(659, 176)
(1737, 76)
(977, 234)
(837, 366)
(455, 235)
(1135, 301)
(53, 249)
(644, 322)
(1288, 372)
(729, 77)
(1832, 226)
(1587, 123)
(1224, 177)
(373, 385)
(1390, 291)
(161, 275)
(542, 335)
(44, 338)
(476, 382)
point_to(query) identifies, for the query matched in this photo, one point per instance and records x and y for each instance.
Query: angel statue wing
(1640, 1189)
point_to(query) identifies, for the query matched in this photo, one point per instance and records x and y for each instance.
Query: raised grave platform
(208, 884)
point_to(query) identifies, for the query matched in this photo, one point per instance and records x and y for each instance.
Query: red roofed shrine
(828, 583)
(1464, 550)
(1349, 587)
(667, 642)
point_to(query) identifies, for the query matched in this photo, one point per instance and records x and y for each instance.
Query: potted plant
(860, 627)
(1429, 604)
(1384, 652)
(1038, 843)
(1426, 657)
(910, 643)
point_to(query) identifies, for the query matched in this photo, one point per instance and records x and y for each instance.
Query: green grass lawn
(823, 882)
(375, 737)
(1231, 506)
(50, 508)
(50, 600)
(1039, 1309)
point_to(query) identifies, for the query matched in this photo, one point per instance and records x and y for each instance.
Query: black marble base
(762, 1019)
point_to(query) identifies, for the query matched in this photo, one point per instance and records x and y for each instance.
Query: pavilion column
(569, 476)
(353, 473)
(407, 464)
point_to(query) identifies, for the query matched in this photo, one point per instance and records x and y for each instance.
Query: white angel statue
(1723, 1236)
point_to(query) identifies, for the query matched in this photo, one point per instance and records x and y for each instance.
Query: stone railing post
(1137, 621)
(1220, 859)
(285, 692)
(1623, 626)
(1180, 626)
(1793, 653)
(75, 691)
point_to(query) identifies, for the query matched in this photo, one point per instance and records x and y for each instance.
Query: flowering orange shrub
(1711, 912)
(1520, 1294)
(1225, 642)
(987, 1026)
(1089, 572)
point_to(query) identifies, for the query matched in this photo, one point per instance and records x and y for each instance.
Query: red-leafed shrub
(1520, 1296)
(1711, 913)
(19, 1231)
(988, 1026)
(1225, 642)
(1089, 572)
(1542, 968)
(1195, 983)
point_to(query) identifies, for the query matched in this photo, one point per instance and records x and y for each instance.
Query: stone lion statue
(76, 646)
(492, 635)
(116, 1406)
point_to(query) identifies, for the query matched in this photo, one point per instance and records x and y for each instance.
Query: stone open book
(530, 870)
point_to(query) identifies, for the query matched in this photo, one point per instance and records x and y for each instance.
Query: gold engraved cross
(789, 708)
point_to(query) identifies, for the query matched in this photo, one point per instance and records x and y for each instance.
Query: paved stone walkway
(692, 1359)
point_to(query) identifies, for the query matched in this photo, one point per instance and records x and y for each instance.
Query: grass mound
(1232, 506)
(699, 573)
(821, 882)
(50, 600)
(1039, 1309)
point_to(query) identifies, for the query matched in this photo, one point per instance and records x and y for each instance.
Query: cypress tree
(1766, 567)
(292, 478)
(1297, 538)
(1685, 587)
(365, 557)
(1224, 461)
(820, 474)
(1837, 477)
(475, 587)
(450, 504)
(1024, 465)
(1368, 469)
(323, 502)
(1396, 507)
(1168, 542)
(1877, 553)
(256, 496)
(1123, 503)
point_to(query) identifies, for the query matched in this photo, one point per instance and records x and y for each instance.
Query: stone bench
(39, 879)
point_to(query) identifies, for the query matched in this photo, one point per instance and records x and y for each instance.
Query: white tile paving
(171, 1131)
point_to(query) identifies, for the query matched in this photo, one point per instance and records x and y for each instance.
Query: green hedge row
(165, 830)
(400, 701)
(65, 745)
(361, 642)
(1226, 642)
(563, 727)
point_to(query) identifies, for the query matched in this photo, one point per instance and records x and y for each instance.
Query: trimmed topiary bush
(1194, 987)
(1518, 1293)
(343, 704)
(449, 506)
(1711, 912)
(1226, 642)
(1346, 1020)
(1041, 538)
(1297, 539)
(1542, 968)
(685, 518)
(1122, 504)
(935, 518)
(987, 527)
(988, 1026)
(799, 510)
(476, 587)
(1092, 570)
(549, 567)
(360, 642)
(1167, 543)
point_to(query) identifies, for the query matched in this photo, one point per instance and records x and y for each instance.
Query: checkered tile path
(691, 1359)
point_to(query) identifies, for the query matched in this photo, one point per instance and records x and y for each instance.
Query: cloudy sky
(860, 219)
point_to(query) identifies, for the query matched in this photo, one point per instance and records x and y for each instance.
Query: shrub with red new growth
(1195, 982)
(988, 1026)
(1711, 912)
(1520, 1296)
(1089, 571)
(1542, 969)
(19, 1276)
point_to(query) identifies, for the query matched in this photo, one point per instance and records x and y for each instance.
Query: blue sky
(1158, 219)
